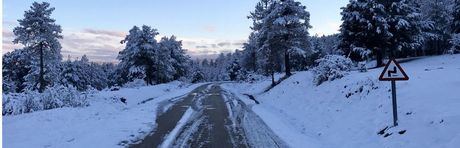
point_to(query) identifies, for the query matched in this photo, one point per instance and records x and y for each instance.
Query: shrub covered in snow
(331, 67)
(53, 97)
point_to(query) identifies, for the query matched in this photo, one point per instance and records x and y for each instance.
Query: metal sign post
(395, 106)
(393, 72)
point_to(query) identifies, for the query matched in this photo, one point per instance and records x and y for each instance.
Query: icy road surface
(209, 117)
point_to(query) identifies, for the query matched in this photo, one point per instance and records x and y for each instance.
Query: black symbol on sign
(392, 71)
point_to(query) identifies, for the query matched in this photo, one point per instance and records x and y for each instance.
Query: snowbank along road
(209, 117)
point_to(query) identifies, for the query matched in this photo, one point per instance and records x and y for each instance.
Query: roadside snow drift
(350, 112)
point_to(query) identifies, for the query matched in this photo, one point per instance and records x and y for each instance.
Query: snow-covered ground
(349, 112)
(107, 122)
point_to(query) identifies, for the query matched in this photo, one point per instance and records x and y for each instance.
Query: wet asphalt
(210, 124)
(167, 121)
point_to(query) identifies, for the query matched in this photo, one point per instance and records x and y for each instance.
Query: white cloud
(202, 47)
(98, 45)
(104, 45)
(7, 42)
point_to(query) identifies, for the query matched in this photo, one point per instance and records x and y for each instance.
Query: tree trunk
(254, 62)
(42, 72)
(379, 57)
(149, 75)
(287, 63)
(273, 77)
(423, 52)
(436, 46)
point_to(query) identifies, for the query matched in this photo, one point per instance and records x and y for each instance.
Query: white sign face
(393, 72)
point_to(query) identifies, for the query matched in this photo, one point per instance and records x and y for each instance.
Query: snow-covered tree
(220, 68)
(280, 32)
(359, 28)
(84, 59)
(109, 72)
(197, 76)
(194, 69)
(326, 44)
(455, 27)
(205, 62)
(138, 57)
(180, 61)
(39, 33)
(163, 64)
(234, 70)
(287, 25)
(262, 9)
(218, 72)
(406, 27)
(154, 62)
(382, 26)
(265, 59)
(16, 65)
(249, 57)
(439, 13)
(83, 74)
(455, 41)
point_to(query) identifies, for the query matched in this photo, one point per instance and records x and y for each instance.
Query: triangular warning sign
(393, 72)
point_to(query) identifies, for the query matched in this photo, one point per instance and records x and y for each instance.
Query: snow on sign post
(393, 72)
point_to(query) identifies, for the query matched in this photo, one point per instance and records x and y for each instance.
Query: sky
(206, 27)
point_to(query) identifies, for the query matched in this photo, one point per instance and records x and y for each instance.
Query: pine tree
(84, 59)
(288, 24)
(280, 31)
(249, 53)
(439, 13)
(197, 76)
(406, 27)
(39, 33)
(234, 70)
(384, 27)
(16, 66)
(360, 29)
(155, 62)
(109, 73)
(455, 27)
(326, 44)
(262, 9)
(180, 61)
(163, 63)
(83, 74)
(138, 58)
(205, 63)
(128, 56)
(259, 37)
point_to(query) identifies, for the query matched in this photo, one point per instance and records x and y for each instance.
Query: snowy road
(209, 117)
